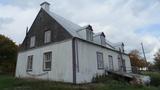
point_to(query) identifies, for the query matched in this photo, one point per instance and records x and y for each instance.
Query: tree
(157, 59)
(136, 60)
(8, 55)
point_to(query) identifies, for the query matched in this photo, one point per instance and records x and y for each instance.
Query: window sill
(29, 70)
(46, 69)
(100, 68)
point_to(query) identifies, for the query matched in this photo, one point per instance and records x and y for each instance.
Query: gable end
(42, 23)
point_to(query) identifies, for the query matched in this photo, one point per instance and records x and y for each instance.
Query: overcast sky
(128, 21)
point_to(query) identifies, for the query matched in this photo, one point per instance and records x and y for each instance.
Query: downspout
(74, 59)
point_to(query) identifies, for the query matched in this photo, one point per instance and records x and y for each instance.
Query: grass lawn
(11, 83)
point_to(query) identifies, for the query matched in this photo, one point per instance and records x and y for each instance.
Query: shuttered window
(47, 61)
(47, 37)
(29, 63)
(32, 41)
(100, 62)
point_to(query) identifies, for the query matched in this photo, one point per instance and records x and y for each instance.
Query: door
(111, 63)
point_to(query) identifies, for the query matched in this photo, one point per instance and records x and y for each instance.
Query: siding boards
(42, 23)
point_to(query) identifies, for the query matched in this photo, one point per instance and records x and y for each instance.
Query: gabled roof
(99, 34)
(73, 28)
(68, 25)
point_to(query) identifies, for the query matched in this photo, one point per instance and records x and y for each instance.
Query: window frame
(110, 56)
(103, 41)
(47, 36)
(119, 62)
(100, 63)
(32, 41)
(89, 35)
(29, 63)
(47, 61)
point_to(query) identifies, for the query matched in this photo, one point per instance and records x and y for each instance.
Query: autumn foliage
(157, 59)
(136, 60)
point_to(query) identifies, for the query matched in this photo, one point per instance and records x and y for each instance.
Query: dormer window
(47, 36)
(99, 38)
(103, 40)
(89, 35)
(32, 41)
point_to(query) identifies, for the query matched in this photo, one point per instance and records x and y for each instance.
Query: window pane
(48, 65)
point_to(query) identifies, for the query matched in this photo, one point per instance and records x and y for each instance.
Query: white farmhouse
(59, 50)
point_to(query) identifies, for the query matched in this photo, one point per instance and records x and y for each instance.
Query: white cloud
(20, 20)
(118, 19)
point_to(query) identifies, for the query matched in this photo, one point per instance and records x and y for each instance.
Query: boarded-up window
(100, 62)
(32, 41)
(47, 61)
(29, 63)
(47, 37)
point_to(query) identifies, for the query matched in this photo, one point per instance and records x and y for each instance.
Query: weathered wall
(87, 61)
(61, 62)
(42, 23)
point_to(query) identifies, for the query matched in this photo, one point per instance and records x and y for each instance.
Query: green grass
(11, 83)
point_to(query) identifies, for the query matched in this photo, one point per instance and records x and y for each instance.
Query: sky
(128, 21)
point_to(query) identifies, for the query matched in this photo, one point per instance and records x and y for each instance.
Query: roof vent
(45, 5)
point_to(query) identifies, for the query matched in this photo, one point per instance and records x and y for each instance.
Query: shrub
(155, 78)
(110, 80)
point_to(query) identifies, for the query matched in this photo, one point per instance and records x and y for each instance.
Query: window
(32, 41)
(47, 37)
(110, 62)
(47, 61)
(29, 63)
(89, 35)
(100, 62)
(103, 40)
(119, 62)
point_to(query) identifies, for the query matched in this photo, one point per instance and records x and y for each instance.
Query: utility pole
(143, 52)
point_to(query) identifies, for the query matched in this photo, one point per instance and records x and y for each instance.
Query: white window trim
(30, 63)
(45, 61)
(32, 41)
(100, 63)
(47, 36)
(110, 58)
(89, 35)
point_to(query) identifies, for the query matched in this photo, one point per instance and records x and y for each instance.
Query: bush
(111, 81)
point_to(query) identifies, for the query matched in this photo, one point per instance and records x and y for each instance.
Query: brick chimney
(45, 5)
